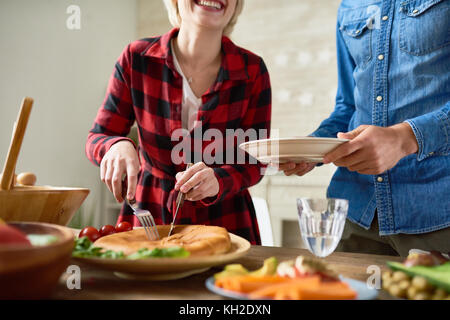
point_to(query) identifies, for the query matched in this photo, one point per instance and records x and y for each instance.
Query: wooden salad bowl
(33, 272)
(41, 203)
(20, 200)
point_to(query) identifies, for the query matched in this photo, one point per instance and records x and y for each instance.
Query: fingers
(291, 168)
(308, 168)
(305, 170)
(179, 175)
(103, 170)
(356, 157)
(284, 166)
(195, 180)
(343, 150)
(198, 182)
(352, 134)
(112, 173)
(348, 147)
(121, 159)
(109, 170)
(198, 193)
(132, 178)
(299, 167)
(183, 177)
(117, 182)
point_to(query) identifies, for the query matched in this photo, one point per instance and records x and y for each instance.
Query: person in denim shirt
(393, 103)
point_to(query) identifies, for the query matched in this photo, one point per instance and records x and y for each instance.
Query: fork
(145, 219)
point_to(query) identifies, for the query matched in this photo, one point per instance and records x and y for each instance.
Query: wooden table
(99, 284)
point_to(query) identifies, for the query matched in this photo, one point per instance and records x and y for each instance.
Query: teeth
(212, 4)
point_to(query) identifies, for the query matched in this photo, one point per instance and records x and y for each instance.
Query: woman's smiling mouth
(210, 4)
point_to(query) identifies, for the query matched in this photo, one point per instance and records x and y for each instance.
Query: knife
(180, 200)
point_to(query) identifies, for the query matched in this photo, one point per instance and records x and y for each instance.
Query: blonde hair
(175, 18)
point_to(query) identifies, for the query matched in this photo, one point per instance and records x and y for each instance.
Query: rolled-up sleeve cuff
(432, 133)
(115, 139)
(219, 173)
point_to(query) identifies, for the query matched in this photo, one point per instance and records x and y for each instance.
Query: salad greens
(173, 252)
(84, 248)
(42, 239)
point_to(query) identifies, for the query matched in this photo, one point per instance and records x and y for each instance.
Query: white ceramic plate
(296, 149)
(363, 292)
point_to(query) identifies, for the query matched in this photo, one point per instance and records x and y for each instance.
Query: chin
(209, 15)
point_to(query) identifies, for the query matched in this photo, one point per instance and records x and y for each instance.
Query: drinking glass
(321, 223)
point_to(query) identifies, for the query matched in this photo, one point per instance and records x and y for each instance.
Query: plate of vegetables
(304, 278)
(149, 264)
(422, 276)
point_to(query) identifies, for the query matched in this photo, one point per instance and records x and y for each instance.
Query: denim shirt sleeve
(432, 131)
(339, 119)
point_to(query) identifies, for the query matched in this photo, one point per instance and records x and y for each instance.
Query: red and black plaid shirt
(145, 87)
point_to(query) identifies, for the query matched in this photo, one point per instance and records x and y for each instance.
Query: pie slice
(199, 240)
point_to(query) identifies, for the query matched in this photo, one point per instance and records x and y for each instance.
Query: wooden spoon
(16, 143)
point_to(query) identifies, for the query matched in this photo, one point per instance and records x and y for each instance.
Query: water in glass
(321, 223)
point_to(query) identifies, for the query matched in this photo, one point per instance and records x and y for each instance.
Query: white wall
(66, 72)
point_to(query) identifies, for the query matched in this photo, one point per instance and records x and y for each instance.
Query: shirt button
(415, 11)
(380, 57)
(431, 153)
(379, 98)
(385, 18)
(357, 31)
(380, 179)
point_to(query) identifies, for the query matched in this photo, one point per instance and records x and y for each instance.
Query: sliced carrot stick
(292, 294)
(290, 288)
(248, 283)
(224, 282)
(328, 291)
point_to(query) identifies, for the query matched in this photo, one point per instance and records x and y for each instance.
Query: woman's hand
(198, 182)
(373, 150)
(121, 159)
(298, 169)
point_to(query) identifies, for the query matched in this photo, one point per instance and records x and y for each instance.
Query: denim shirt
(393, 67)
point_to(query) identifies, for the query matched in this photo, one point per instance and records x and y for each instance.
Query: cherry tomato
(90, 232)
(124, 226)
(107, 229)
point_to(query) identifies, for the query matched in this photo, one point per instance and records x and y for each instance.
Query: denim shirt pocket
(424, 26)
(357, 33)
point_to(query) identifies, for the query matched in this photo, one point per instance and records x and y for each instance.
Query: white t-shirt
(190, 103)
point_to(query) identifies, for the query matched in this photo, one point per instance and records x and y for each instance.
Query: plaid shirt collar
(233, 65)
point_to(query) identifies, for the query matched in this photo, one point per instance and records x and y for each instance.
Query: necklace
(190, 78)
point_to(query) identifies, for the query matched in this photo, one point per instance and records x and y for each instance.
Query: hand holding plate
(373, 150)
(298, 169)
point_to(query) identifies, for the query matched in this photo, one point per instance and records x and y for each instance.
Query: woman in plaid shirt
(192, 80)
